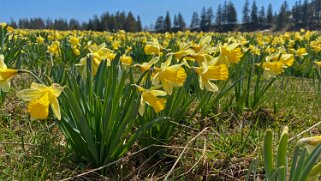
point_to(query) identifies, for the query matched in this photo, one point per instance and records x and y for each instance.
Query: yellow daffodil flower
(254, 50)
(315, 45)
(184, 50)
(54, 48)
(6, 75)
(301, 52)
(276, 63)
(150, 96)
(116, 45)
(74, 41)
(229, 54)
(97, 54)
(40, 97)
(153, 47)
(147, 65)
(272, 69)
(310, 143)
(202, 51)
(126, 60)
(212, 72)
(40, 40)
(170, 76)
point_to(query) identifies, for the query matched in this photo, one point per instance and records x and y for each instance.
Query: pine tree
(254, 15)
(282, 18)
(262, 15)
(195, 23)
(209, 18)
(218, 20)
(139, 24)
(269, 14)
(175, 22)
(305, 12)
(104, 19)
(112, 25)
(159, 25)
(318, 12)
(74, 24)
(181, 22)
(224, 13)
(296, 13)
(203, 24)
(131, 24)
(13, 23)
(231, 14)
(246, 12)
(167, 23)
(49, 24)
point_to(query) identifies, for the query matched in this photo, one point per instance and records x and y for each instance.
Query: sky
(148, 10)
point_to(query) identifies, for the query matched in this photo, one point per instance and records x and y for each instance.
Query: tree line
(106, 22)
(304, 14)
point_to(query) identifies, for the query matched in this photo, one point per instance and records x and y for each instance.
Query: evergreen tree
(90, 25)
(282, 18)
(61, 24)
(195, 23)
(261, 17)
(139, 24)
(181, 22)
(224, 13)
(209, 18)
(112, 25)
(167, 23)
(175, 22)
(231, 13)
(120, 20)
(305, 12)
(269, 14)
(246, 12)
(296, 13)
(317, 7)
(74, 24)
(254, 15)
(97, 26)
(131, 24)
(104, 19)
(204, 22)
(13, 24)
(219, 12)
(159, 25)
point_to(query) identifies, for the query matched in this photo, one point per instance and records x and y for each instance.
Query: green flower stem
(31, 73)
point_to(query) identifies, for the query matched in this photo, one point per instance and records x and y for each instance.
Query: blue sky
(82, 10)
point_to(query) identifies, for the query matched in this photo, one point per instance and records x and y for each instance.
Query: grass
(220, 147)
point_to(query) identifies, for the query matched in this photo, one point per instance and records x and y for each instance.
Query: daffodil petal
(4, 85)
(56, 109)
(2, 64)
(158, 93)
(29, 94)
(56, 89)
(35, 85)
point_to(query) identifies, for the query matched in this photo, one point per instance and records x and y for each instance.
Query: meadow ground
(219, 147)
